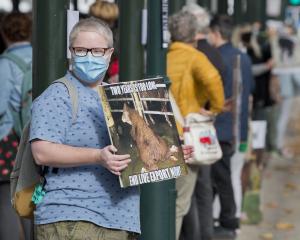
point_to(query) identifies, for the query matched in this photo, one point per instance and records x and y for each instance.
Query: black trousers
(198, 223)
(222, 185)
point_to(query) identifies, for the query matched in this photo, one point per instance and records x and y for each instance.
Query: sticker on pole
(259, 131)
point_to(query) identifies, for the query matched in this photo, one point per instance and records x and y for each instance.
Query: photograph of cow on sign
(141, 123)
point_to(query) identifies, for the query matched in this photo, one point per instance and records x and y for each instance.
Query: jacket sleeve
(208, 77)
(248, 83)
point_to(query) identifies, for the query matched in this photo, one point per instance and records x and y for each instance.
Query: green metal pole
(131, 50)
(205, 3)
(285, 4)
(16, 5)
(256, 11)
(263, 13)
(157, 199)
(49, 42)
(174, 5)
(253, 10)
(238, 15)
(222, 6)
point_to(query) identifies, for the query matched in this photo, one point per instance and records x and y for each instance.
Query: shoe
(221, 233)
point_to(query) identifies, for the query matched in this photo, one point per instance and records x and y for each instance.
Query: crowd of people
(83, 199)
(268, 70)
(212, 179)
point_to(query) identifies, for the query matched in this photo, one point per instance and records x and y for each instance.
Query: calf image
(151, 148)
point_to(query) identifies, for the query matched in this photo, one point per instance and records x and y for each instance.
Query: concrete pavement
(280, 193)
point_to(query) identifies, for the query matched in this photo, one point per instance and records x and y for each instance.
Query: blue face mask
(90, 69)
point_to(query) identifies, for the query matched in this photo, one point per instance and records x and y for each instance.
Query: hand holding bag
(200, 133)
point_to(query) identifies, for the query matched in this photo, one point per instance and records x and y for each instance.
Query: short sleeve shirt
(86, 193)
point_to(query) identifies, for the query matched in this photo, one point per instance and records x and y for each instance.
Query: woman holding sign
(83, 200)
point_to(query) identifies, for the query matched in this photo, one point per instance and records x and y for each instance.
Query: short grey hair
(203, 17)
(183, 27)
(92, 24)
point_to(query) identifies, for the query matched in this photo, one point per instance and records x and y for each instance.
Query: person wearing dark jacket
(219, 36)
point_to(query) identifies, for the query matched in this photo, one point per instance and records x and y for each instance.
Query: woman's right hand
(113, 162)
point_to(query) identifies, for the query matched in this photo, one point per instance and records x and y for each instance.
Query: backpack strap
(74, 105)
(73, 95)
(17, 60)
(176, 111)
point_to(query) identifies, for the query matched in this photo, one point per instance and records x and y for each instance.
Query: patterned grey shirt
(87, 193)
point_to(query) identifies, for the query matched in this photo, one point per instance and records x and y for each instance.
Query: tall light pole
(158, 199)
(49, 42)
(131, 49)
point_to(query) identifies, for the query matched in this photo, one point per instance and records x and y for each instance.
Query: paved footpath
(280, 197)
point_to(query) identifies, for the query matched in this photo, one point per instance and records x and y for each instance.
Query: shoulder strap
(73, 95)
(176, 110)
(74, 104)
(17, 60)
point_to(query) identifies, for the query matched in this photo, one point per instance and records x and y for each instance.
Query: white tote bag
(199, 132)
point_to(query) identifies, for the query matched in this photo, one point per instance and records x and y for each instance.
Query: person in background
(194, 82)
(16, 33)
(201, 207)
(106, 11)
(285, 47)
(219, 36)
(109, 13)
(262, 64)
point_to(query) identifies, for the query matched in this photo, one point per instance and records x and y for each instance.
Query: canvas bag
(199, 132)
(23, 116)
(26, 173)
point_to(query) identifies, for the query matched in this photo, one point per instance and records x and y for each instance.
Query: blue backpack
(23, 116)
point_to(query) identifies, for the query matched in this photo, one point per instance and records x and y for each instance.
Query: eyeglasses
(96, 52)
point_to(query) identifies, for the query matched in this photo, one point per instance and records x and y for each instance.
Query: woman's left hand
(187, 152)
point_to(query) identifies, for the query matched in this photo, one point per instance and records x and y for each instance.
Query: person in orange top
(195, 82)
